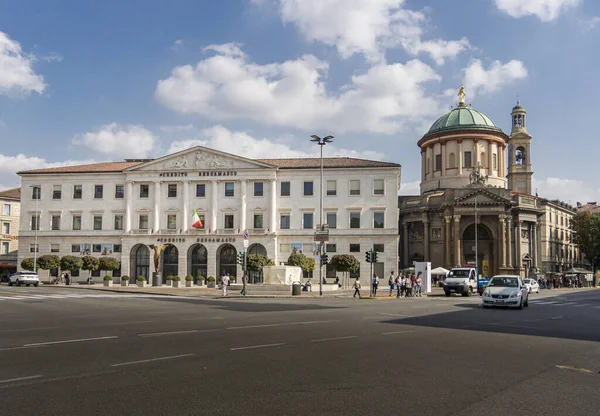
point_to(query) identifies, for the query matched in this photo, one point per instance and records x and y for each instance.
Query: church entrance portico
(483, 245)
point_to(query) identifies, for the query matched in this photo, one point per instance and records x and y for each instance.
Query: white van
(461, 280)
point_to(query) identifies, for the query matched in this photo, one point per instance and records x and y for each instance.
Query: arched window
(520, 155)
(483, 160)
(452, 160)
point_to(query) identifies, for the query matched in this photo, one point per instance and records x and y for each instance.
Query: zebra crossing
(564, 302)
(12, 296)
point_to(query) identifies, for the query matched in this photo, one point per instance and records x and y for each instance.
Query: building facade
(9, 239)
(559, 251)
(125, 209)
(473, 173)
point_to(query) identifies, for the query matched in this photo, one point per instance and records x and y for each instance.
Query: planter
(176, 283)
(125, 283)
(108, 283)
(200, 283)
(156, 279)
(169, 283)
(142, 284)
(211, 285)
(189, 283)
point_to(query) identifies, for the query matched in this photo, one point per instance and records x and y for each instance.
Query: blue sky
(84, 81)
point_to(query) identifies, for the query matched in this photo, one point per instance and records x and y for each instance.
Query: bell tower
(519, 153)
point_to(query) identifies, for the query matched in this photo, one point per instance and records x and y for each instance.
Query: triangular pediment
(482, 197)
(199, 158)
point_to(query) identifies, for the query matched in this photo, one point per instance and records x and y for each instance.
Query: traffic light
(324, 259)
(374, 257)
(368, 256)
(240, 258)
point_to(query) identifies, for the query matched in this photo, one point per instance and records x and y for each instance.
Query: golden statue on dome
(461, 96)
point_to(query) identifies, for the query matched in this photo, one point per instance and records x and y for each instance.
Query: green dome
(462, 118)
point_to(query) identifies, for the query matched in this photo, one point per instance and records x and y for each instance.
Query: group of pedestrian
(405, 285)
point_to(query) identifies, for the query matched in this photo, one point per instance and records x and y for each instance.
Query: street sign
(322, 236)
(246, 243)
(245, 235)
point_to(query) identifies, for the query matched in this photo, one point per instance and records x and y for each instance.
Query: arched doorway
(197, 261)
(170, 262)
(140, 263)
(485, 249)
(256, 277)
(226, 260)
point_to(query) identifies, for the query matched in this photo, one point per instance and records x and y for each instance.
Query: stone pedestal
(282, 275)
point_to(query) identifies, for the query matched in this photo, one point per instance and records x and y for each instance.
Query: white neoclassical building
(121, 209)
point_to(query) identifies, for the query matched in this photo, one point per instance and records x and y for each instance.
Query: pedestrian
(308, 286)
(224, 283)
(245, 287)
(62, 278)
(391, 282)
(375, 283)
(67, 279)
(398, 285)
(419, 285)
(408, 286)
(356, 287)
(403, 286)
(413, 284)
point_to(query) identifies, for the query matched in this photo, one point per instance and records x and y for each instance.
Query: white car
(507, 291)
(24, 278)
(531, 285)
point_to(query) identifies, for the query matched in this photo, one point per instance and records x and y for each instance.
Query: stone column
(128, 205)
(273, 205)
(535, 230)
(184, 205)
(423, 164)
(426, 239)
(244, 207)
(447, 242)
(214, 190)
(490, 157)
(509, 242)
(519, 248)
(457, 250)
(429, 157)
(475, 159)
(444, 164)
(502, 237)
(502, 160)
(405, 244)
(156, 206)
(460, 157)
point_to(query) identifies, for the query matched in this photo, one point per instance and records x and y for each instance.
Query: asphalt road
(74, 352)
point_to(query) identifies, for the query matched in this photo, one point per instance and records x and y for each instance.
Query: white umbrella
(440, 270)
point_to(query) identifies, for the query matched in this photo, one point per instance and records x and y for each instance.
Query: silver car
(506, 291)
(24, 278)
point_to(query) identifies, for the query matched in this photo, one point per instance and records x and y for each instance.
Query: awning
(8, 265)
(440, 270)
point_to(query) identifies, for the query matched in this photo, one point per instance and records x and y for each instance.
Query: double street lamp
(321, 142)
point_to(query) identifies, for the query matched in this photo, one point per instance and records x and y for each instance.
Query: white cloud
(410, 188)
(566, 190)
(490, 80)
(365, 27)
(177, 45)
(16, 72)
(591, 23)
(177, 127)
(53, 57)
(294, 94)
(114, 139)
(545, 10)
(243, 144)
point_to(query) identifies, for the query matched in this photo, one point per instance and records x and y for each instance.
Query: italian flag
(196, 223)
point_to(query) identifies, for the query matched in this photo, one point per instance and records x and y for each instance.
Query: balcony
(197, 231)
(258, 231)
(169, 231)
(142, 232)
(228, 231)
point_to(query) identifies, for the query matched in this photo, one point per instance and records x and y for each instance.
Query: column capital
(448, 219)
(457, 218)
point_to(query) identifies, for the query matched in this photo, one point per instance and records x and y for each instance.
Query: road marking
(333, 339)
(28, 329)
(39, 344)
(19, 379)
(200, 319)
(282, 324)
(256, 346)
(581, 370)
(580, 306)
(152, 359)
(403, 332)
(190, 331)
(556, 317)
(512, 326)
(392, 314)
(125, 323)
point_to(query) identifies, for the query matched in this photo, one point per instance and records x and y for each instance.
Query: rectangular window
(95, 273)
(494, 161)
(75, 273)
(33, 248)
(117, 248)
(171, 222)
(354, 187)
(228, 221)
(331, 188)
(97, 222)
(307, 218)
(354, 248)
(77, 191)
(285, 189)
(6, 209)
(76, 222)
(438, 162)
(144, 190)
(35, 222)
(284, 221)
(308, 188)
(97, 248)
(54, 248)
(36, 192)
(258, 188)
(378, 248)
(98, 191)
(378, 218)
(56, 191)
(116, 273)
(355, 220)
(330, 248)
(200, 190)
(258, 221)
(119, 191)
(143, 222)
(55, 222)
(331, 219)
(118, 222)
(6, 228)
(5, 248)
(378, 187)
(229, 189)
(75, 248)
(172, 190)
(467, 162)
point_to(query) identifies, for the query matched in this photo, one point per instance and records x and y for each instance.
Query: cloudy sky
(85, 81)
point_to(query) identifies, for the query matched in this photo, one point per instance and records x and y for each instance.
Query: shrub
(90, 263)
(70, 263)
(201, 277)
(108, 264)
(210, 279)
(169, 278)
(107, 278)
(48, 262)
(27, 263)
(176, 278)
(124, 278)
(141, 279)
(189, 278)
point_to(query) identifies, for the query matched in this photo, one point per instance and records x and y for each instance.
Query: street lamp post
(321, 142)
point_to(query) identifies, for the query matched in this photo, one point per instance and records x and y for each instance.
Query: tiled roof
(91, 168)
(330, 162)
(11, 193)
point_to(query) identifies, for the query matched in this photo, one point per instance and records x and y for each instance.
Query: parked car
(531, 285)
(24, 278)
(506, 291)
(461, 280)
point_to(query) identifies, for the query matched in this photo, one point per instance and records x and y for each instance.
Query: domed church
(471, 169)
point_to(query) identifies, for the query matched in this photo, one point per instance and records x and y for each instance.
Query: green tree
(586, 227)
(310, 265)
(48, 262)
(345, 263)
(27, 263)
(307, 264)
(90, 263)
(71, 263)
(256, 262)
(108, 264)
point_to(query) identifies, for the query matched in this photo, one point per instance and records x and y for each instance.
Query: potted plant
(189, 281)
(169, 280)
(201, 280)
(124, 280)
(141, 281)
(108, 281)
(176, 281)
(210, 282)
